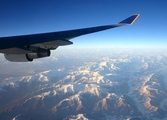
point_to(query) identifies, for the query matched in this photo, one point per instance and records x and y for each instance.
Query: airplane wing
(28, 47)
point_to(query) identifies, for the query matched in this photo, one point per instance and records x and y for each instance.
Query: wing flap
(53, 44)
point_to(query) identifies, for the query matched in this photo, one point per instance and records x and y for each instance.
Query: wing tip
(130, 20)
(137, 15)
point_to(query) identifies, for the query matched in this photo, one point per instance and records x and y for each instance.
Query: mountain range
(103, 84)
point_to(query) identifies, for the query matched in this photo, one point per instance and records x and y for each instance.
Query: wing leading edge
(50, 41)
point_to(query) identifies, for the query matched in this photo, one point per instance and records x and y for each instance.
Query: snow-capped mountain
(122, 84)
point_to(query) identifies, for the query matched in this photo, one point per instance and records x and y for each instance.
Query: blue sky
(37, 16)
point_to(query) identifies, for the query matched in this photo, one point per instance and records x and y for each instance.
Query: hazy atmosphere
(117, 74)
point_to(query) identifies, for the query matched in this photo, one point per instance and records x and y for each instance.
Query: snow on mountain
(110, 87)
(77, 117)
(147, 87)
